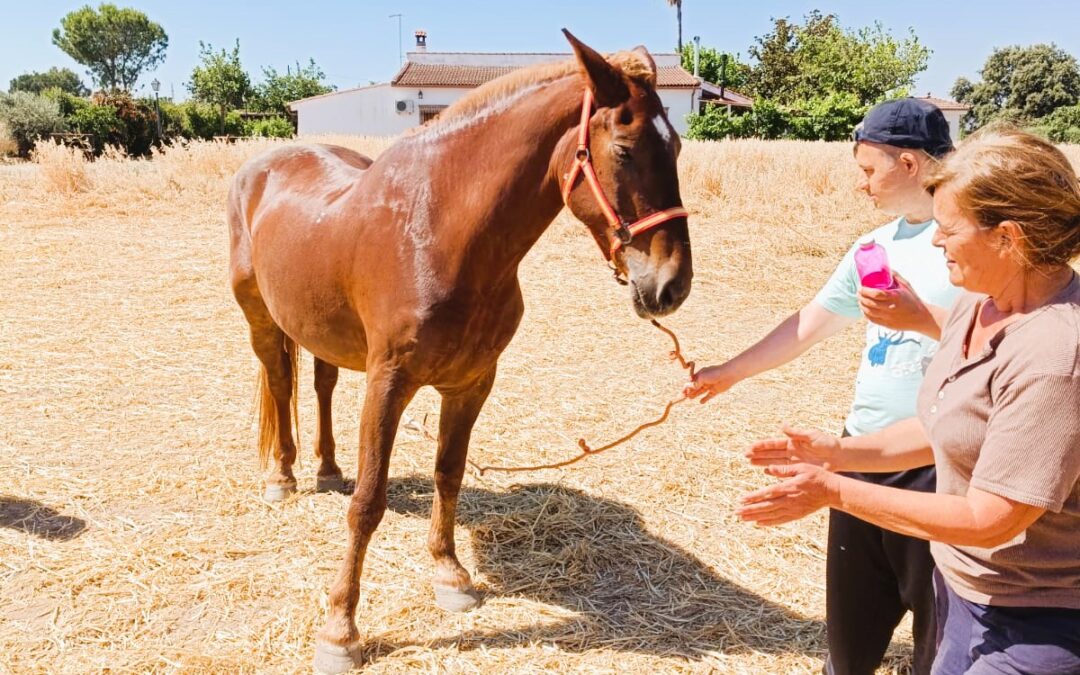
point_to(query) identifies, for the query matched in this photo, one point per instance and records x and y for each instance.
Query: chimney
(697, 54)
(421, 41)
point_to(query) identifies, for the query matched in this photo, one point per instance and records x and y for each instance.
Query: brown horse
(406, 268)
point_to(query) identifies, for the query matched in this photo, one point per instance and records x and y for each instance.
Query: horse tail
(269, 422)
(293, 350)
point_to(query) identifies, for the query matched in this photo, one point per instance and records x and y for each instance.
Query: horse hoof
(335, 659)
(331, 483)
(276, 492)
(453, 600)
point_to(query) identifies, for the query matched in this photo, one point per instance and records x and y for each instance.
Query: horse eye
(622, 153)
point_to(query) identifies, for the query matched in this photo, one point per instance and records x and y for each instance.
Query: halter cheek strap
(619, 233)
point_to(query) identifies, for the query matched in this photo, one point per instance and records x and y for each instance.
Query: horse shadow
(32, 517)
(627, 589)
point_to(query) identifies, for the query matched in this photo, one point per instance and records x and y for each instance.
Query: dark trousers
(984, 640)
(872, 578)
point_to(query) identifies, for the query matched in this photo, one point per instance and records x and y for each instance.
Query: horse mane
(632, 64)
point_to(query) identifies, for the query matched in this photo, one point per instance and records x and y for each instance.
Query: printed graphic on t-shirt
(877, 353)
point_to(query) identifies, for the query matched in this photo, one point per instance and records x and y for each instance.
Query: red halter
(620, 232)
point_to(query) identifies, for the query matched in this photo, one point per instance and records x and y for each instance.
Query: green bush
(715, 123)
(199, 120)
(1039, 130)
(829, 118)
(769, 120)
(29, 117)
(8, 146)
(195, 120)
(234, 124)
(105, 125)
(765, 120)
(172, 120)
(1063, 125)
(271, 127)
(140, 130)
(69, 103)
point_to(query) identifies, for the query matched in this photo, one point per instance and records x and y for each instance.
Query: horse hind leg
(329, 478)
(277, 392)
(277, 409)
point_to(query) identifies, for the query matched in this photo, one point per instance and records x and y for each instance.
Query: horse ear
(606, 81)
(647, 61)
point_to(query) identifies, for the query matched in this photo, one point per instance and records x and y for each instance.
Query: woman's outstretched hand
(797, 446)
(807, 488)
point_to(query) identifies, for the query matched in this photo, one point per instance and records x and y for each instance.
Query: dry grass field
(132, 534)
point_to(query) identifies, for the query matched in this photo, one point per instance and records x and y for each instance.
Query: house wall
(370, 111)
(953, 117)
(680, 103)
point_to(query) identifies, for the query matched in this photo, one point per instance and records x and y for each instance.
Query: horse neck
(507, 191)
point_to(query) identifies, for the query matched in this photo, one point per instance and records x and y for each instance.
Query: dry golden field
(132, 534)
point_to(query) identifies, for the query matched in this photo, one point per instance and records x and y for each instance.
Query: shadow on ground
(32, 517)
(630, 590)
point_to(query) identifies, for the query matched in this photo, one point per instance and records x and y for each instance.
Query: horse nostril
(669, 294)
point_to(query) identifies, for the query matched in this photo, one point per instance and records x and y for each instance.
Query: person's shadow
(32, 517)
(630, 590)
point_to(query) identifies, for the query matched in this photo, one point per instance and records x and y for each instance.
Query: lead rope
(586, 451)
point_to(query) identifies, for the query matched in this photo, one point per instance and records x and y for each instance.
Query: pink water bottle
(872, 263)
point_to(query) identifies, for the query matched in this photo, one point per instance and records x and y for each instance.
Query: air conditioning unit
(404, 107)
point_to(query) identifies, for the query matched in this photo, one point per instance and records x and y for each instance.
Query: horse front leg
(337, 644)
(453, 587)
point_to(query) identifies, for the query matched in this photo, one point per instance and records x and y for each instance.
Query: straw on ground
(132, 536)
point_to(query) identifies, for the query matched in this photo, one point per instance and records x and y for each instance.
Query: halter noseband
(619, 233)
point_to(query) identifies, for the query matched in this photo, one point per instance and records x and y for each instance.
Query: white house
(430, 81)
(954, 113)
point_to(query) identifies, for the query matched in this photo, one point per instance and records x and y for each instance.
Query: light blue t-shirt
(893, 362)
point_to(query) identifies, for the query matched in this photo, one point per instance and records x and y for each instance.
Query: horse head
(624, 184)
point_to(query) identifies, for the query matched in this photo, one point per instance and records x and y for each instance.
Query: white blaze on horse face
(663, 127)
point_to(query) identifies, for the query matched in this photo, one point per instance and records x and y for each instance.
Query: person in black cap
(873, 576)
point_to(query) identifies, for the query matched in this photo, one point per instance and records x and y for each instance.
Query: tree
(1021, 83)
(710, 62)
(280, 89)
(115, 44)
(220, 79)
(775, 73)
(677, 4)
(961, 91)
(63, 79)
(819, 58)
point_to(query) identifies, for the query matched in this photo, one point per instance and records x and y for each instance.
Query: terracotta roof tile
(441, 75)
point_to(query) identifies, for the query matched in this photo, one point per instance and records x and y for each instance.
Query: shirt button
(941, 395)
(933, 409)
(952, 378)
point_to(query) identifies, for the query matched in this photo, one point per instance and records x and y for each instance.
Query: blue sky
(356, 42)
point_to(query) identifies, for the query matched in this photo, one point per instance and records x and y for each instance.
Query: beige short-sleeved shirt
(1007, 421)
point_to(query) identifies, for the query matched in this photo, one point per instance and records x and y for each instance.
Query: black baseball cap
(906, 123)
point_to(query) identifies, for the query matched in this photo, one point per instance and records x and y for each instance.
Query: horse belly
(300, 288)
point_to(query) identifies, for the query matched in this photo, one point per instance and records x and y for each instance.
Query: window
(430, 112)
